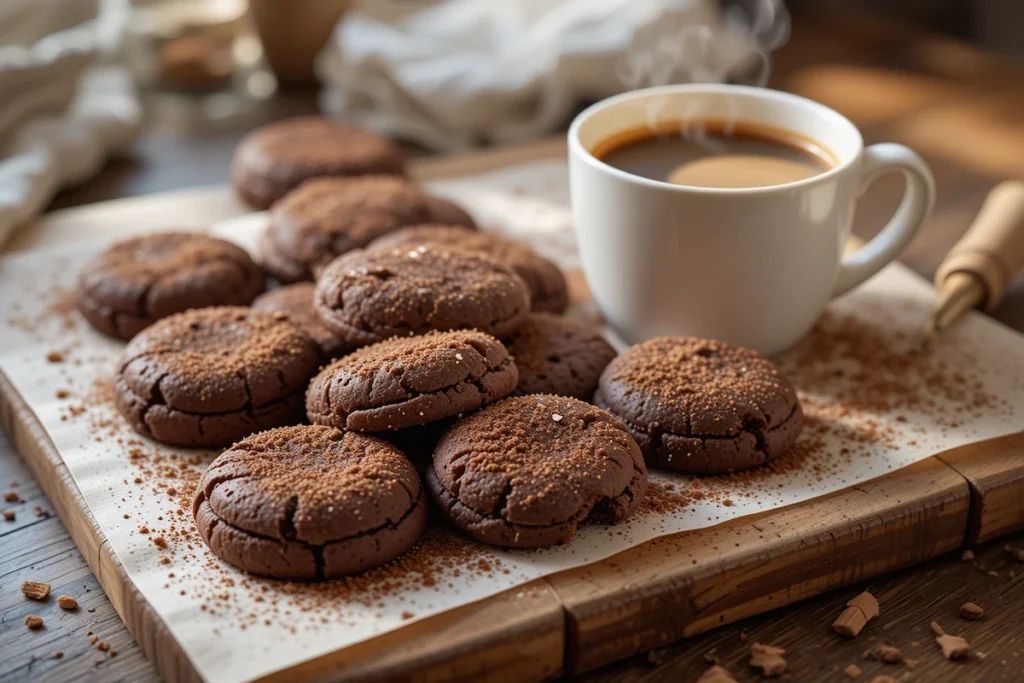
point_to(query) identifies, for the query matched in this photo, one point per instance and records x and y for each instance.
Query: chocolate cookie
(210, 376)
(370, 295)
(548, 289)
(296, 301)
(701, 406)
(138, 281)
(274, 159)
(526, 471)
(410, 381)
(557, 355)
(326, 217)
(309, 503)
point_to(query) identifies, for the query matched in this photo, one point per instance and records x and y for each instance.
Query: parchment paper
(235, 628)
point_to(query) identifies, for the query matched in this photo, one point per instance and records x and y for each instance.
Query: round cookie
(410, 381)
(210, 376)
(326, 217)
(276, 158)
(137, 281)
(309, 503)
(525, 472)
(371, 295)
(296, 301)
(548, 289)
(558, 355)
(701, 406)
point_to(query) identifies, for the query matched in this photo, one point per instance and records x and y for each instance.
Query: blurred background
(156, 93)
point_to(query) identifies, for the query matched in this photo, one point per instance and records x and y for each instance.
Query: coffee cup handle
(918, 199)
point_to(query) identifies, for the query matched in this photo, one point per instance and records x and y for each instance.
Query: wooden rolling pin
(979, 267)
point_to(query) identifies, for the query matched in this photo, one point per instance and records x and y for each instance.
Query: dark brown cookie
(271, 161)
(309, 503)
(138, 281)
(410, 381)
(526, 471)
(548, 289)
(702, 406)
(371, 295)
(210, 376)
(558, 355)
(296, 301)
(326, 217)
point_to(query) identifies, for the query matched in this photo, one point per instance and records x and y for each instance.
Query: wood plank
(668, 589)
(995, 471)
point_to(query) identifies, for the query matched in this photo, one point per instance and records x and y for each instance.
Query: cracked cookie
(309, 503)
(137, 281)
(410, 381)
(546, 282)
(326, 217)
(296, 301)
(276, 158)
(525, 472)
(210, 376)
(370, 295)
(558, 355)
(701, 406)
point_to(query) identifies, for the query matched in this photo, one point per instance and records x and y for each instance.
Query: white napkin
(461, 72)
(61, 114)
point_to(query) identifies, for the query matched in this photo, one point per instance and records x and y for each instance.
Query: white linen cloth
(61, 113)
(456, 73)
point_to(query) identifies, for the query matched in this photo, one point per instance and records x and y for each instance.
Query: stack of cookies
(404, 355)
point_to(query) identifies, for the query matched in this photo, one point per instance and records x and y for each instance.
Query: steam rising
(732, 45)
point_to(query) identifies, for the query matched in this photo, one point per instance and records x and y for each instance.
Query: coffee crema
(716, 153)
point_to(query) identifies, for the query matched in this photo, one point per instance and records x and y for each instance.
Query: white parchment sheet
(870, 410)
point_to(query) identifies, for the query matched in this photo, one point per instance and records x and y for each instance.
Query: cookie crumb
(967, 555)
(993, 573)
(883, 679)
(57, 654)
(12, 497)
(34, 621)
(55, 357)
(971, 611)
(40, 512)
(406, 615)
(859, 611)
(953, 647)
(716, 674)
(62, 393)
(35, 590)
(67, 602)
(9, 515)
(768, 659)
(852, 671)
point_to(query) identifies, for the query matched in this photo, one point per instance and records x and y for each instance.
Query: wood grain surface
(896, 84)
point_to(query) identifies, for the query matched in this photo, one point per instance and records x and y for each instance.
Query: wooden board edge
(655, 594)
(149, 630)
(995, 471)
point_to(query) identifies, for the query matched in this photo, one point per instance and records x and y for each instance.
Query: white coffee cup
(749, 266)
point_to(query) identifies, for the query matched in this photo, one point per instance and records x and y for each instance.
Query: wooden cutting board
(576, 620)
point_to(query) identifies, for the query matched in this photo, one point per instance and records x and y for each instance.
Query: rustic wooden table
(959, 108)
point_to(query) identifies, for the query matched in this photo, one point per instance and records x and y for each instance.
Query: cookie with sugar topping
(210, 376)
(527, 471)
(309, 503)
(559, 355)
(326, 217)
(549, 291)
(137, 281)
(370, 295)
(277, 157)
(411, 381)
(296, 301)
(702, 406)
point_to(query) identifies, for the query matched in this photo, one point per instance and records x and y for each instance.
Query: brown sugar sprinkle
(67, 602)
(35, 590)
